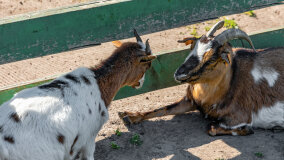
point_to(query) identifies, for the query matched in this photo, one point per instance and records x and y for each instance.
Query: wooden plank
(160, 75)
(48, 32)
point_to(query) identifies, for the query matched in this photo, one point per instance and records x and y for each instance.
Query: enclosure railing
(49, 32)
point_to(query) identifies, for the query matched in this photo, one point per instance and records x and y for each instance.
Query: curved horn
(138, 38)
(217, 26)
(230, 34)
(148, 49)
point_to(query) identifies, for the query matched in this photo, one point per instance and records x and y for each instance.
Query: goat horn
(230, 34)
(216, 27)
(138, 38)
(186, 39)
(148, 49)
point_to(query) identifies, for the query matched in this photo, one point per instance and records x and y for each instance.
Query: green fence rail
(160, 75)
(48, 32)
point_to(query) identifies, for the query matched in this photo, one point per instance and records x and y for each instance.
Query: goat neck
(110, 77)
(210, 92)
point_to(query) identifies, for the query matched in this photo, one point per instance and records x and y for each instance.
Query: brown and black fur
(237, 95)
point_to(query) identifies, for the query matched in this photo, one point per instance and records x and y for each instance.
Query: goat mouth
(181, 78)
(183, 81)
(186, 79)
(189, 80)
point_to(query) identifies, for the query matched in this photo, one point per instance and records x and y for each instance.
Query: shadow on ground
(184, 137)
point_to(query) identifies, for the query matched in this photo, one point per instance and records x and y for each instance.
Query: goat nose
(181, 70)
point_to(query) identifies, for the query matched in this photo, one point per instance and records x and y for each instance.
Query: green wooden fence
(53, 31)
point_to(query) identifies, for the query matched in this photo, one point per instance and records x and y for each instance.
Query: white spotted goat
(60, 120)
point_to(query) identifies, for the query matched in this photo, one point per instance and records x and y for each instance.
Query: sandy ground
(173, 137)
(14, 7)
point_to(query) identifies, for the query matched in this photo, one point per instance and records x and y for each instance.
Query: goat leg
(216, 130)
(179, 107)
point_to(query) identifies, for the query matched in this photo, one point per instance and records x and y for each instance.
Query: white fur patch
(199, 50)
(143, 46)
(269, 117)
(45, 113)
(269, 74)
(234, 133)
(141, 82)
(234, 127)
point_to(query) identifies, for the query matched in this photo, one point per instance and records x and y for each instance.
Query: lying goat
(60, 120)
(237, 88)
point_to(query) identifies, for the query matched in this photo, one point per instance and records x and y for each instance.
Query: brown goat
(236, 88)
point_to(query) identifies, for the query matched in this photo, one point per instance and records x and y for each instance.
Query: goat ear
(225, 57)
(146, 59)
(188, 40)
(117, 44)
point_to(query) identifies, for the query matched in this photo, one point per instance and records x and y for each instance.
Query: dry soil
(178, 137)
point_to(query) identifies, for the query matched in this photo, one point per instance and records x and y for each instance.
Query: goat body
(252, 94)
(236, 88)
(249, 92)
(55, 120)
(256, 93)
(255, 96)
(60, 120)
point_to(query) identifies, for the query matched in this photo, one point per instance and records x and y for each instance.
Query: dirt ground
(179, 137)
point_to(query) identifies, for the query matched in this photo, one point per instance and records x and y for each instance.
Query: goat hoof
(212, 129)
(249, 130)
(212, 132)
(121, 114)
(125, 118)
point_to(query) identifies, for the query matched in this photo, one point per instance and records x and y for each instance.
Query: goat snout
(183, 73)
(180, 74)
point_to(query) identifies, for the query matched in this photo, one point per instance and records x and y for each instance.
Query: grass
(117, 132)
(250, 13)
(194, 32)
(114, 145)
(207, 28)
(135, 139)
(230, 24)
(259, 154)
